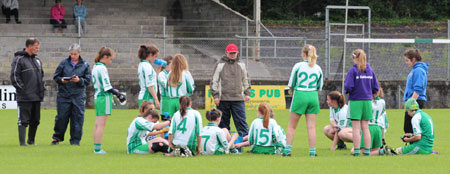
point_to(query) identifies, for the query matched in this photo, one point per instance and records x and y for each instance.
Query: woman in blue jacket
(361, 83)
(72, 75)
(416, 83)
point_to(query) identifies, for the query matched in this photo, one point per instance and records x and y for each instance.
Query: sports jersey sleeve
(148, 73)
(162, 81)
(293, 78)
(349, 81)
(105, 79)
(222, 139)
(415, 122)
(142, 124)
(173, 128)
(198, 126)
(189, 83)
(251, 136)
(331, 114)
(320, 81)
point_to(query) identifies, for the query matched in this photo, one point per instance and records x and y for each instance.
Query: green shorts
(219, 151)
(305, 102)
(414, 149)
(263, 149)
(376, 137)
(164, 104)
(172, 105)
(142, 149)
(103, 105)
(360, 109)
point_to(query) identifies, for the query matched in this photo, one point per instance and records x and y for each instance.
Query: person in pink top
(57, 17)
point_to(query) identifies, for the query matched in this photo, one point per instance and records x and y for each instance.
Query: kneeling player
(137, 133)
(215, 140)
(339, 123)
(423, 136)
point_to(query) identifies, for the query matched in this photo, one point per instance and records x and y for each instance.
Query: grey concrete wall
(437, 93)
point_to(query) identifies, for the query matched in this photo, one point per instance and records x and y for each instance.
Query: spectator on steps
(11, 7)
(79, 11)
(57, 17)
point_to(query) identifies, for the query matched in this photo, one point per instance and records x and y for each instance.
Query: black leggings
(8, 12)
(407, 126)
(55, 23)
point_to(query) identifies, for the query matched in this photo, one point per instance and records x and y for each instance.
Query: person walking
(72, 75)
(230, 86)
(27, 76)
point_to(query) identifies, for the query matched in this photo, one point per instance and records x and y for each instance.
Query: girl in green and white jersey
(184, 132)
(306, 79)
(103, 95)
(137, 135)
(163, 77)
(147, 75)
(338, 130)
(180, 83)
(216, 141)
(263, 137)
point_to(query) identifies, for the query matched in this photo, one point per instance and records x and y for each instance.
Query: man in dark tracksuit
(27, 77)
(71, 98)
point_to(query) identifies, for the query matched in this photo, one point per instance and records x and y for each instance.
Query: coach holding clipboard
(230, 86)
(27, 77)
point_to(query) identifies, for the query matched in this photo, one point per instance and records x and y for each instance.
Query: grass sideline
(44, 158)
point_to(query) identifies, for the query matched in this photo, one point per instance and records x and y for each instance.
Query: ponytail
(311, 55)
(145, 51)
(337, 96)
(266, 111)
(104, 51)
(361, 56)
(213, 115)
(413, 54)
(185, 102)
(380, 91)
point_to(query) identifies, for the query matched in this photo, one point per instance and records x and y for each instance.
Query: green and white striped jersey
(186, 130)
(261, 136)
(185, 86)
(423, 126)
(382, 117)
(147, 77)
(339, 115)
(213, 140)
(163, 77)
(137, 133)
(100, 79)
(306, 78)
(378, 111)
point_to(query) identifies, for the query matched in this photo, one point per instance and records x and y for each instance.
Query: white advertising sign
(8, 97)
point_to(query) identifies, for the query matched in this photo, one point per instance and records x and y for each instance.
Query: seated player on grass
(263, 138)
(423, 128)
(137, 133)
(339, 123)
(215, 140)
(280, 135)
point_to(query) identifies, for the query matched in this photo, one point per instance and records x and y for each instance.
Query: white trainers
(101, 152)
(177, 151)
(187, 152)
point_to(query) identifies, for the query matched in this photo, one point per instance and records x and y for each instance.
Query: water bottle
(160, 62)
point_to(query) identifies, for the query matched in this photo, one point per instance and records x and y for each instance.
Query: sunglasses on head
(354, 55)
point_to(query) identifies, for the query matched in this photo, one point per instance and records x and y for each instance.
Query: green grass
(44, 158)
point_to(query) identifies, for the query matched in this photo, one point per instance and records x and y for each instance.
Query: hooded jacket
(361, 85)
(417, 81)
(27, 76)
(66, 69)
(230, 81)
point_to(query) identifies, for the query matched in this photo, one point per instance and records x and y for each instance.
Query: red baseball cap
(231, 48)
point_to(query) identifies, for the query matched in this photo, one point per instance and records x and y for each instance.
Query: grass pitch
(65, 158)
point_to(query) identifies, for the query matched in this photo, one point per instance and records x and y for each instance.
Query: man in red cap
(230, 86)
